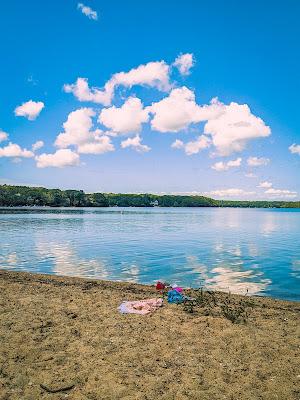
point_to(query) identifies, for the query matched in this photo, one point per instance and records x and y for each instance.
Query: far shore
(63, 337)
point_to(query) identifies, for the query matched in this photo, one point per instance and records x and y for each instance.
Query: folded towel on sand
(140, 307)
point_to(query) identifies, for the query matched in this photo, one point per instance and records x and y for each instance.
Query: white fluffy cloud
(30, 109)
(100, 145)
(234, 127)
(184, 63)
(281, 193)
(136, 144)
(265, 185)
(295, 148)
(61, 158)
(78, 132)
(177, 111)
(194, 146)
(257, 161)
(14, 150)
(225, 166)
(230, 127)
(178, 144)
(83, 92)
(87, 11)
(229, 193)
(77, 128)
(37, 145)
(126, 119)
(153, 74)
(3, 136)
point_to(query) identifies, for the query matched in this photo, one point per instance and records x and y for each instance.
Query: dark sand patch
(66, 333)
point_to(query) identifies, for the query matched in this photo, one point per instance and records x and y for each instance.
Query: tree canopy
(16, 196)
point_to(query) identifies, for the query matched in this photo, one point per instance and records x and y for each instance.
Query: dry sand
(58, 332)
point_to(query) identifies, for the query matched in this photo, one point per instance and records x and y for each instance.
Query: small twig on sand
(61, 389)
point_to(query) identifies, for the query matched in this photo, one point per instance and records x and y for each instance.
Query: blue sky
(155, 127)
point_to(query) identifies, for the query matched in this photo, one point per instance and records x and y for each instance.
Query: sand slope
(67, 333)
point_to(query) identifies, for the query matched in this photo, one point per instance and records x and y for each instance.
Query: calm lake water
(225, 249)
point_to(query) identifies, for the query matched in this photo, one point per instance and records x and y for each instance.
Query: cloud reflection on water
(67, 262)
(229, 278)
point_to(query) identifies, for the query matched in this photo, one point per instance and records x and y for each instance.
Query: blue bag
(175, 297)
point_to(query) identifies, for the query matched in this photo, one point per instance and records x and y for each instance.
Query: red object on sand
(160, 286)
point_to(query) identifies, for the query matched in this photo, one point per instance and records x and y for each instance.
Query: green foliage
(15, 196)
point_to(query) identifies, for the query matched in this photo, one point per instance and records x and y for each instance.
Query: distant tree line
(15, 196)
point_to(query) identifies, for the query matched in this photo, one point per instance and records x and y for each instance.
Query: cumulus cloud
(225, 166)
(194, 146)
(281, 193)
(265, 185)
(83, 92)
(295, 148)
(61, 158)
(37, 145)
(257, 161)
(230, 127)
(153, 74)
(178, 144)
(30, 109)
(87, 11)
(100, 145)
(234, 127)
(3, 136)
(78, 132)
(184, 63)
(136, 144)
(14, 150)
(126, 119)
(177, 111)
(77, 128)
(229, 193)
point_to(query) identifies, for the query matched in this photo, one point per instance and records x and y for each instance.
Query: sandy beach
(64, 338)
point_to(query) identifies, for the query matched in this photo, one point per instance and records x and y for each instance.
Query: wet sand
(64, 338)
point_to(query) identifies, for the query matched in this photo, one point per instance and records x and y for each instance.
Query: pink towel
(140, 307)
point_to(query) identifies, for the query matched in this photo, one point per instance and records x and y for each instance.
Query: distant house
(154, 203)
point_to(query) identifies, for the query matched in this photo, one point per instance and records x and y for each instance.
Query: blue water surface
(229, 249)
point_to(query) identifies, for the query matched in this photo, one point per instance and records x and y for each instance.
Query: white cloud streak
(87, 11)
(37, 145)
(295, 149)
(225, 166)
(281, 193)
(257, 161)
(230, 193)
(265, 185)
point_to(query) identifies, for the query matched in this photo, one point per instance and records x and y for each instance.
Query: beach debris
(141, 307)
(57, 389)
(177, 288)
(160, 286)
(175, 297)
